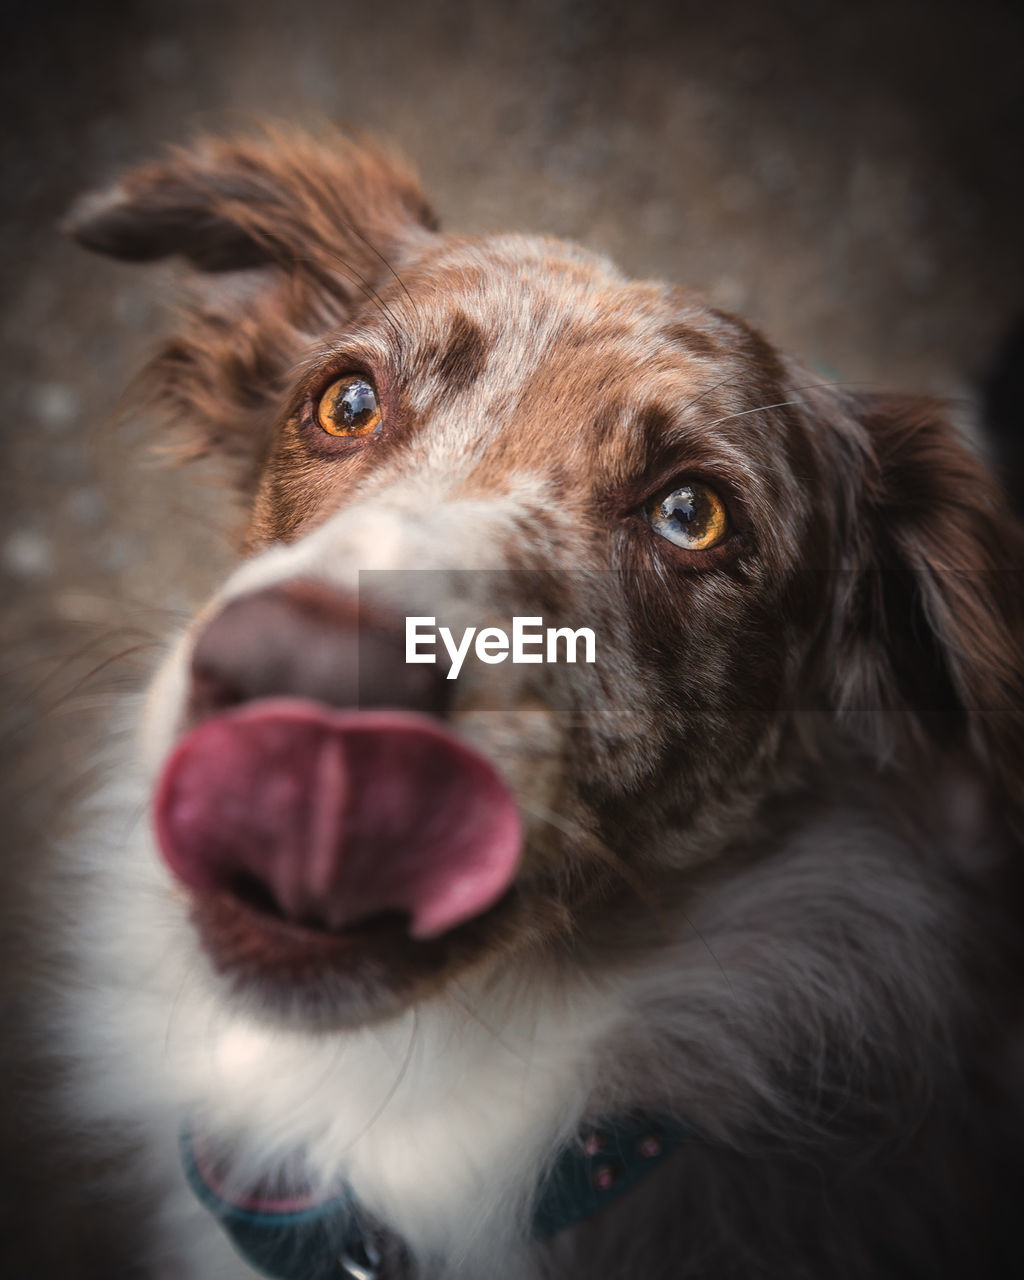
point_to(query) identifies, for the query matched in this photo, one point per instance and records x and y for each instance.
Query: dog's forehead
(516, 360)
(536, 329)
(534, 301)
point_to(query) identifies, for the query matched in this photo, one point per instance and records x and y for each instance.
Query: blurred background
(848, 176)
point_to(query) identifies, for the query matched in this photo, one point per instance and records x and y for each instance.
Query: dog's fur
(770, 833)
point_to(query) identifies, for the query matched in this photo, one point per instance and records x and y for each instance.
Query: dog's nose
(306, 640)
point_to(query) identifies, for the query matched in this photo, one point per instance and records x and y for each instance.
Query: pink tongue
(338, 815)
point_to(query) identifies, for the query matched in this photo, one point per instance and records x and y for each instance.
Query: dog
(688, 955)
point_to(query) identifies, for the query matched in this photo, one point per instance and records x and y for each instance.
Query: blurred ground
(848, 176)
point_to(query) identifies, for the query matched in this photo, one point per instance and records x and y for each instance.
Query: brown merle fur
(767, 706)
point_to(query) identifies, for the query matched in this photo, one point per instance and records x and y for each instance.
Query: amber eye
(691, 515)
(349, 408)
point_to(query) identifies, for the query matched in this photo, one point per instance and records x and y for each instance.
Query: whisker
(144, 646)
(743, 413)
(728, 379)
(34, 715)
(60, 664)
(467, 1007)
(396, 1084)
(371, 294)
(608, 856)
(781, 404)
(710, 950)
(377, 253)
(625, 872)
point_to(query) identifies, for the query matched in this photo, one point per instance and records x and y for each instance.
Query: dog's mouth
(315, 824)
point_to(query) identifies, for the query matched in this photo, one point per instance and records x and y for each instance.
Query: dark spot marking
(607, 421)
(750, 345)
(460, 360)
(693, 341)
(653, 423)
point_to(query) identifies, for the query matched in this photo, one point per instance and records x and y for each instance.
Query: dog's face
(487, 429)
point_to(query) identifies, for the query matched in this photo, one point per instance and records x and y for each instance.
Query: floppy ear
(288, 234)
(931, 620)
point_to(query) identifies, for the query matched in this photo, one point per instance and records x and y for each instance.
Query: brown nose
(306, 640)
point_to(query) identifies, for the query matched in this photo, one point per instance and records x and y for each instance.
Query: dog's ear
(931, 623)
(287, 234)
(284, 198)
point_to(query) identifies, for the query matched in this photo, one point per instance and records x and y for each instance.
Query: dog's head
(506, 427)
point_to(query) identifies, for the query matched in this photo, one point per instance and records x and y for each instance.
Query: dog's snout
(306, 640)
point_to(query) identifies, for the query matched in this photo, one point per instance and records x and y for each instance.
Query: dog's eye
(691, 515)
(349, 408)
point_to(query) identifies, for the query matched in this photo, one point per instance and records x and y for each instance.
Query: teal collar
(289, 1236)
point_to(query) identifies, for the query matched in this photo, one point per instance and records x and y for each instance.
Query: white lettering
(457, 653)
(571, 637)
(492, 645)
(521, 638)
(413, 640)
